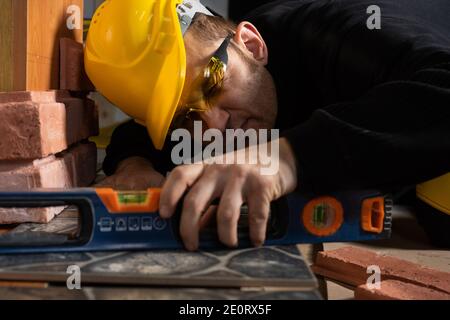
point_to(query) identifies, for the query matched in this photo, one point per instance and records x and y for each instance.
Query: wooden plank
(6, 53)
(42, 55)
(42, 73)
(43, 41)
(20, 38)
(31, 30)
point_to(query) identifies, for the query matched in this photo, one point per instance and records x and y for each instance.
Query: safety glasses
(205, 88)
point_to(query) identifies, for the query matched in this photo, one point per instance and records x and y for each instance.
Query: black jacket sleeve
(132, 140)
(398, 134)
(371, 107)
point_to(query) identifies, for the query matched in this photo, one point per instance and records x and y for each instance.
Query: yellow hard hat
(436, 193)
(135, 56)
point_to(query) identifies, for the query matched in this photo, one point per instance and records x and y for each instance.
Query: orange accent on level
(372, 215)
(110, 199)
(308, 211)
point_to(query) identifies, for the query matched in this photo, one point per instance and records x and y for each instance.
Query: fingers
(229, 212)
(259, 211)
(208, 217)
(197, 202)
(233, 185)
(175, 186)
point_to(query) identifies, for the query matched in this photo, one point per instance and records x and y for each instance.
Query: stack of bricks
(44, 123)
(398, 279)
(43, 145)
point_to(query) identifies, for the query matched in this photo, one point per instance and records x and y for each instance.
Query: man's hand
(134, 174)
(234, 185)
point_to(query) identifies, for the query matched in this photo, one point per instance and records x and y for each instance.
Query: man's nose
(216, 118)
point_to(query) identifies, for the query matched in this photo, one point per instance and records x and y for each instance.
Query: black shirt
(362, 108)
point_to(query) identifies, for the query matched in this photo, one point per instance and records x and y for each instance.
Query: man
(358, 107)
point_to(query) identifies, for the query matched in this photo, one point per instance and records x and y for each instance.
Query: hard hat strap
(187, 11)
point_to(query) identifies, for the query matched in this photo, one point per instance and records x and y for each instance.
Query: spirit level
(112, 220)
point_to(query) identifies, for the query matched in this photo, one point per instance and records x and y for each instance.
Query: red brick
(28, 215)
(73, 76)
(349, 265)
(85, 121)
(397, 290)
(37, 128)
(70, 169)
(73, 168)
(33, 96)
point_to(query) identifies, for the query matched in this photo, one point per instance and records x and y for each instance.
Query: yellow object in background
(104, 138)
(86, 25)
(135, 56)
(436, 193)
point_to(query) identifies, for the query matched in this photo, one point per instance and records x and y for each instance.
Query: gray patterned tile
(154, 263)
(12, 262)
(269, 263)
(266, 267)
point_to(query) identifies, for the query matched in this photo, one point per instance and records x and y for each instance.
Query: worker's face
(248, 97)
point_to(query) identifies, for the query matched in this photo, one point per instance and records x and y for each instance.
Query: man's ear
(248, 37)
